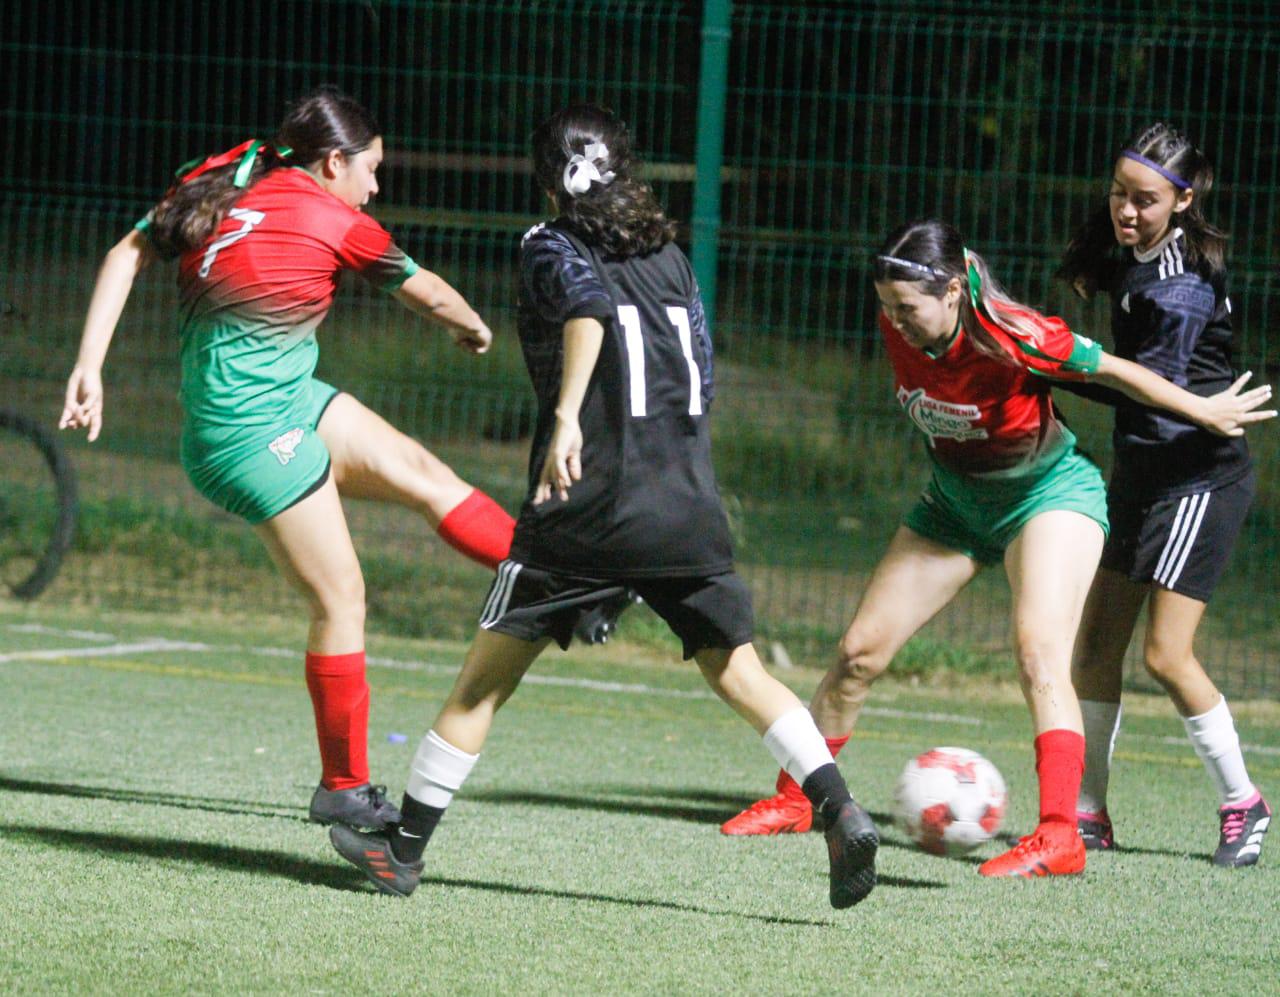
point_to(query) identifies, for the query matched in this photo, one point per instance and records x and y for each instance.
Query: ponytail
(315, 125)
(582, 156)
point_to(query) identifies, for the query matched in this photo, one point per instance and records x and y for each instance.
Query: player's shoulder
(1166, 283)
(1166, 263)
(548, 237)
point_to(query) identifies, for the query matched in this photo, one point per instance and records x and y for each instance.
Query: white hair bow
(581, 170)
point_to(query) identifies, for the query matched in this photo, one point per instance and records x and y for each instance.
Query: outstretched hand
(563, 465)
(1229, 411)
(82, 407)
(473, 340)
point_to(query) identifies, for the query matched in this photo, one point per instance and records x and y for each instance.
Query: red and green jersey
(985, 416)
(253, 294)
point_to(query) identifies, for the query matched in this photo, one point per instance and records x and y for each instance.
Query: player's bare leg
(792, 738)
(1050, 567)
(392, 859)
(374, 460)
(493, 668)
(913, 581)
(310, 544)
(1106, 628)
(1243, 815)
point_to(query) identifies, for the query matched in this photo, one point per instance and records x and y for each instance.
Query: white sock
(795, 743)
(438, 771)
(1101, 725)
(1214, 737)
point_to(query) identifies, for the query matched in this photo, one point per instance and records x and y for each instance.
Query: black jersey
(647, 504)
(1173, 321)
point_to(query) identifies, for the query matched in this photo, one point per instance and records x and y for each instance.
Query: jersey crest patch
(939, 419)
(285, 445)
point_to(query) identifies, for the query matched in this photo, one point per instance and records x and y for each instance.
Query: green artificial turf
(155, 771)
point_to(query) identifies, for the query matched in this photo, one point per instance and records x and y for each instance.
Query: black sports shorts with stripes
(704, 612)
(1182, 544)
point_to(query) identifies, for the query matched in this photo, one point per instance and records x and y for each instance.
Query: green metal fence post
(708, 152)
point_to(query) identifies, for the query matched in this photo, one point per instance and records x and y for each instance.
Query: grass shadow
(257, 862)
(694, 805)
(245, 808)
(540, 891)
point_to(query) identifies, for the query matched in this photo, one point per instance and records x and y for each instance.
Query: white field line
(157, 644)
(107, 651)
(39, 628)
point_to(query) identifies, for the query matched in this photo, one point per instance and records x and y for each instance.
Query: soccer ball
(950, 800)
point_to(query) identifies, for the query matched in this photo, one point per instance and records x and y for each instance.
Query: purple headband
(1169, 175)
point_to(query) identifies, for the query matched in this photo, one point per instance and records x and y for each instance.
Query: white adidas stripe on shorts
(1186, 526)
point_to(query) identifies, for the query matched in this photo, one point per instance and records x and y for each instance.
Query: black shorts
(530, 604)
(1181, 544)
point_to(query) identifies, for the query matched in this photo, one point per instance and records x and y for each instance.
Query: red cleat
(1053, 849)
(787, 813)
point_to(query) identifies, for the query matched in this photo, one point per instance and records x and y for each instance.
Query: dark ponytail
(1091, 255)
(315, 125)
(597, 191)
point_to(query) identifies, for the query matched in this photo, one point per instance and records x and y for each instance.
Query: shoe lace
(1233, 822)
(779, 801)
(1029, 843)
(377, 796)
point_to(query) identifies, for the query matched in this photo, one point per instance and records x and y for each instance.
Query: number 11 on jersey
(629, 317)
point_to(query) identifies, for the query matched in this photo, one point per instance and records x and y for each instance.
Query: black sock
(417, 821)
(826, 790)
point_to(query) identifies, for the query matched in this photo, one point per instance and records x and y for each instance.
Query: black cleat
(851, 845)
(360, 806)
(1240, 837)
(1096, 831)
(372, 855)
(596, 625)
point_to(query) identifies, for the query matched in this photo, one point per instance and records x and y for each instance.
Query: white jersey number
(250, 219)
(629, 316)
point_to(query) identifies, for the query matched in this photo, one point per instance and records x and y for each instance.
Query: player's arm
(433, 297)
(563, 464)
(82, 407)
(1226, 413)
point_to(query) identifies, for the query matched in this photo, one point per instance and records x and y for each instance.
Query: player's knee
(340, 600)
(1040, 666)
(424, 466)
(859, 661)
(1163, 661)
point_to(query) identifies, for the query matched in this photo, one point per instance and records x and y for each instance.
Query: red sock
(480, 528)
(789, 786)
(340, 696)
(1060, 767)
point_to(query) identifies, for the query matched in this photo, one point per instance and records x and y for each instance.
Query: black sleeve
(557, 282)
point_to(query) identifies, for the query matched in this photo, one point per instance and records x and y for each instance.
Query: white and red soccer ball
(950, 800)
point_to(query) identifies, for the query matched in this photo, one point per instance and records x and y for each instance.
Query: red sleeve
(1048, 348)
(369, 250)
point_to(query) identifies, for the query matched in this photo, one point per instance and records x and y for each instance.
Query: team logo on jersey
(285, 446)
(939, 419)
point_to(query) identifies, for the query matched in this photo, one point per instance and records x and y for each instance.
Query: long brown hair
(316, 124)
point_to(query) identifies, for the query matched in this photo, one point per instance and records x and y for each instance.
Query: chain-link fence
(840, 121)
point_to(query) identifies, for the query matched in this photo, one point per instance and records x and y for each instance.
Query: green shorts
(980, 517)
(257, 472)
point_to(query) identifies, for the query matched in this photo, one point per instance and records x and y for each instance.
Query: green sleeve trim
(395, 283)
(143, 224)
(1084, 359)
